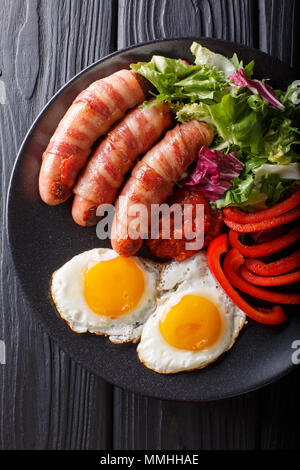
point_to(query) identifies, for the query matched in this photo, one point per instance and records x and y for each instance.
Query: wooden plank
(279, 33)
(47, 400)
(143, 20)
(145, 423)
(280, 413)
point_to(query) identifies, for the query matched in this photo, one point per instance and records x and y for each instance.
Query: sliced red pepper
(236, 215)
(268, 281)
(264, 224)
(232, 263)
(264, 249)
(281, 266)
(267, 235)
(216, 248)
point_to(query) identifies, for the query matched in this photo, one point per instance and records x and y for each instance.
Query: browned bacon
(91, 115)
(101, 179)
(153, 178)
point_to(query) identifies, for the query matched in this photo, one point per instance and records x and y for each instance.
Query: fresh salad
(253, 162)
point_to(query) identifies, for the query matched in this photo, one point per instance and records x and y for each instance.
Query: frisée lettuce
(175, 80)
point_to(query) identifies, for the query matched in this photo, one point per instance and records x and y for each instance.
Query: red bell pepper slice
(236, 215)
(282, 280)
(281, 266)
(232, 263)
(267, 235)
(216, 248)
(264, 224)
(264, 249)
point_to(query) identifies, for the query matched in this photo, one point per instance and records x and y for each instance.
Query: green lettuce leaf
(234, 120)
(239, 194)
(292, 95)
(279, 140)
(247, 195)
(238, 65)
(285, 172)
(247, 122)
(260, 185)
(191, 111)
(177, 81)
(238, 123)
(204, 56)
(273, 187)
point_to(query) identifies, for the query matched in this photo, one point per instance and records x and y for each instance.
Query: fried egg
(104, 293)
(194, 323)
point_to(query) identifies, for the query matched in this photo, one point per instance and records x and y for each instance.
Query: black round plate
(43, 238)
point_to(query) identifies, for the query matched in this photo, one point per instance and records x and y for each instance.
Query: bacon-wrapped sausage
(103, 175)
(153, 178)
(91, 115)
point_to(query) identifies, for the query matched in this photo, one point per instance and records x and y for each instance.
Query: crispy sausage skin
(104, 173)
(91, 115)
(153, 178)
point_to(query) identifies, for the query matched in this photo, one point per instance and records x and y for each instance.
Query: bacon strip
(102, 177)
(153, 178)
(91, 115)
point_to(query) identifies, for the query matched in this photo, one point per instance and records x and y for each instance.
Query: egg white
(175, 275)
(67, 291)
(192, 277)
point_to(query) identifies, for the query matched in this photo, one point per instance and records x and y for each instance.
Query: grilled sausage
(91, 115)
(104, 173)
(153, 178)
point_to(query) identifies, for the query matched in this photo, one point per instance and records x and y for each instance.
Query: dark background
(47, 401)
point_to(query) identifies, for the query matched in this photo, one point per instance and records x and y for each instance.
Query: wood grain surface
(46, 400)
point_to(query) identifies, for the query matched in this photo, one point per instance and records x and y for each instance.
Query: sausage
(91, 115)
(153, 178)
(104, 173)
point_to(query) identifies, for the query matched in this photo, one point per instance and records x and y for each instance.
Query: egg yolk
(114, 287)
(193, 324)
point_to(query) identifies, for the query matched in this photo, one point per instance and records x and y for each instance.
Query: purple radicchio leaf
(213, 173)
(257, 87)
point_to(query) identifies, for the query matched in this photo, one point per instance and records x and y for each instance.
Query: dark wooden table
(47, 401)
